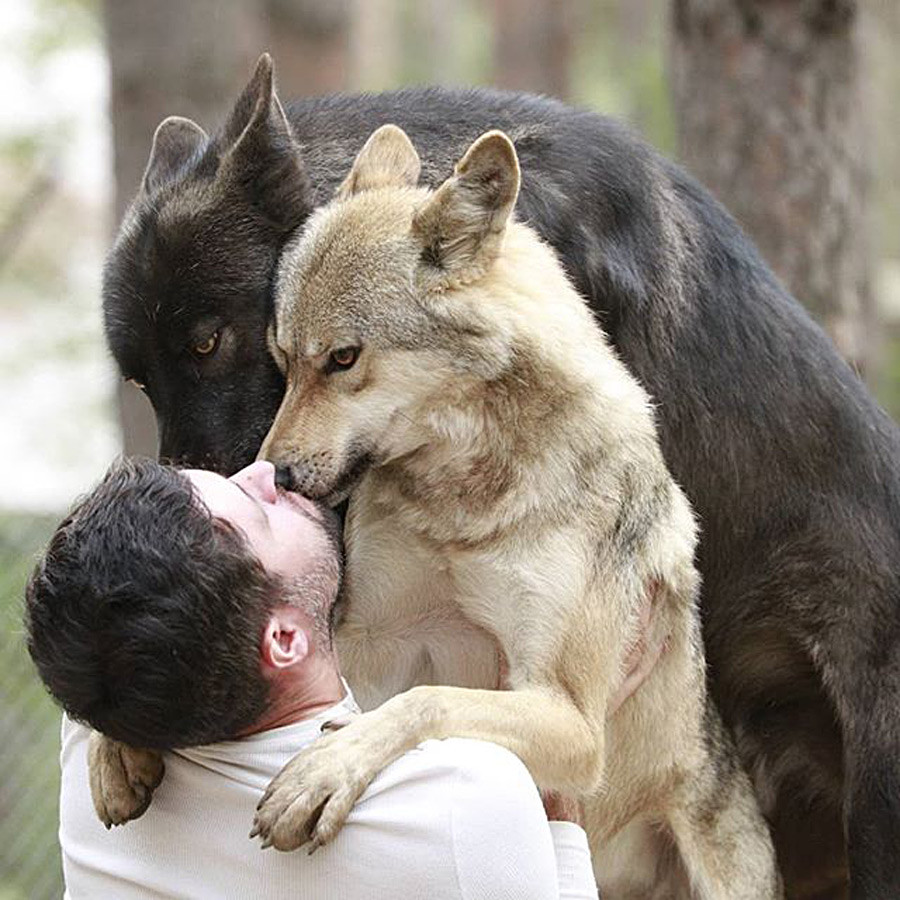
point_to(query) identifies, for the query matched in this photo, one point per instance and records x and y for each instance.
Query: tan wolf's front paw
(311, 797)
(122, 779)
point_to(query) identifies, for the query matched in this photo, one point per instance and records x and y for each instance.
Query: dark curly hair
(145, 615)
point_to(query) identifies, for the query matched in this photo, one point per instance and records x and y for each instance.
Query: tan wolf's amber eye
(138, 384)
(344, 357)
(204, 348)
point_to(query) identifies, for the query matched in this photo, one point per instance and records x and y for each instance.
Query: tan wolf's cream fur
(509, 497)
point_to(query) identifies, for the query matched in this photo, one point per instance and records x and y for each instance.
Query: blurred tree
(769, 109)
(533, 45)
(309, 40)
(175, 58)
(881, 23)
(374, 50)
(881, 34)
(436, 24)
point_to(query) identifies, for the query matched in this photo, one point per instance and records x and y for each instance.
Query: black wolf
(789, 463)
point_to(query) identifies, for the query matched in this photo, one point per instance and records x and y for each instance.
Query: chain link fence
(30, 866)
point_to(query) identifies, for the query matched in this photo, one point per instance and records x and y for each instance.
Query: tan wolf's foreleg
(122, 778)
(542, 726)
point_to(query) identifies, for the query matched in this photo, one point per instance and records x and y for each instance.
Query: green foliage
(20, 149)
(888, 387)
(29, 721)
(618, 67)
(62, 24)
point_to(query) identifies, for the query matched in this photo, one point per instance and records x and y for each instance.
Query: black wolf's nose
(283, 477)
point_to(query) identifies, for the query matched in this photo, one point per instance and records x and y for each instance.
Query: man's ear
(461, 226)
(285, 640)
(175, 141)
(261, 153)
(388, 159)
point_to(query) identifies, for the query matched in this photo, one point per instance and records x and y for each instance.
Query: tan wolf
(510, 507)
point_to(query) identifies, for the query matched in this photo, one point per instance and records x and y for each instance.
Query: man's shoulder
(465, 767)
(466, 754)
(462, 756)
(472, 804)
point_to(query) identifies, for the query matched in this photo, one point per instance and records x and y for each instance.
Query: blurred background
(787, 111)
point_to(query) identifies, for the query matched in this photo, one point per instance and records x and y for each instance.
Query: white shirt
(451, 820)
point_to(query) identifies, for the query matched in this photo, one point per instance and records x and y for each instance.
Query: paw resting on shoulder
(122, 779)
(310, 798)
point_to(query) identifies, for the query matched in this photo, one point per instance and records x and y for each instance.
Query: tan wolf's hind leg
(723, 840)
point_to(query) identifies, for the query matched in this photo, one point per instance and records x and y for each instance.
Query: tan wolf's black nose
(283, 477)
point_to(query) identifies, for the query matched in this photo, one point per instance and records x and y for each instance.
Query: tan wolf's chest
(405, 625)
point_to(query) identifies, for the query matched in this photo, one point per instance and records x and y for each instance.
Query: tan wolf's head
(377, 312)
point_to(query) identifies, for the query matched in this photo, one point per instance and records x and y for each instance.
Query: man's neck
(302, 694)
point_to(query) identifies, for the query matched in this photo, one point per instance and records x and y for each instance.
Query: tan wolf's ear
(388, 159)
(461, 227)
(174, 142)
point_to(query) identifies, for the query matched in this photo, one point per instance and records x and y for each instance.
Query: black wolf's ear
(174, 143)
(260, 151)
(461, 227)
(257, 104)
(388, 159)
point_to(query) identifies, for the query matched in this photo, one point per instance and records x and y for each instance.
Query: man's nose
(258, 480)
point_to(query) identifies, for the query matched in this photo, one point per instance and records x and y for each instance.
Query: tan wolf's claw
(122, 779)
(311, 797)
(338, 722)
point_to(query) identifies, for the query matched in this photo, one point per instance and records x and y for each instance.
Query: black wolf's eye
(342, 359)
(205, 348)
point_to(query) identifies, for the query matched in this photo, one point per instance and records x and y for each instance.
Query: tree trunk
(309, 41)
(533, 45)
(771, 118)
(374, 51)
(437, 30)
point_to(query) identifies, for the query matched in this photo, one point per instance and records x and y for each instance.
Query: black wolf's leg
(872, 791)
(862, 671)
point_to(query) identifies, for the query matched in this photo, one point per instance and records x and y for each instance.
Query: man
(180, 609)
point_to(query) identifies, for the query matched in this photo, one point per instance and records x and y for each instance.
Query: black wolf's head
(186, 288)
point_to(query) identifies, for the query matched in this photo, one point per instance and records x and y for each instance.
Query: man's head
(171, 607)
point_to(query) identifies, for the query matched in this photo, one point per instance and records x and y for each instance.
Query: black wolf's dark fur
(789, 463)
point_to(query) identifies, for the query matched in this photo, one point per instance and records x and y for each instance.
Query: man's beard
(316, 590)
